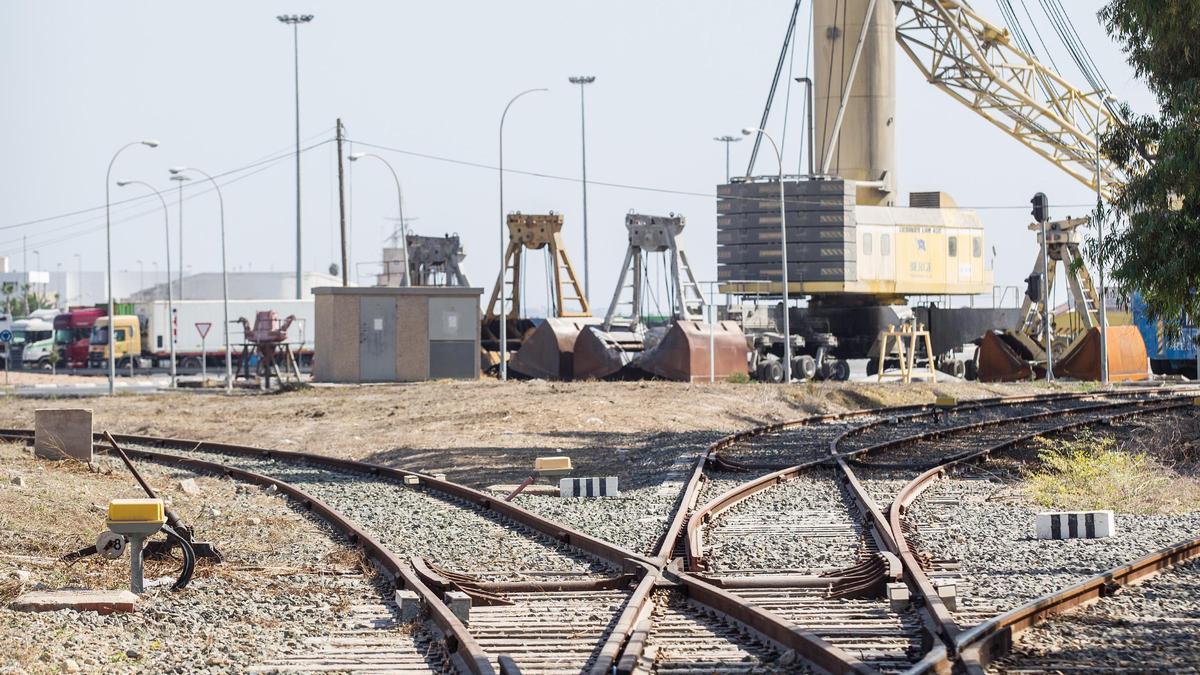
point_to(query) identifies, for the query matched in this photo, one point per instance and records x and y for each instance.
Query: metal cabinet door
(453, 318)
(377, 339)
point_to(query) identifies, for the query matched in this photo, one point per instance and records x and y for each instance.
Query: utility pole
(583, 81)
(342, 203)
(294, 21)
(727, 140)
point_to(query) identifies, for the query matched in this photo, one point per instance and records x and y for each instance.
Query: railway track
(786, 572)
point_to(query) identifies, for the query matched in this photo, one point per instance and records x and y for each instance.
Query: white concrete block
(588, 487)
(460, 605)
(410, 605)
(898, 596)
(412, 480)
(1075, 524)
(948, 592)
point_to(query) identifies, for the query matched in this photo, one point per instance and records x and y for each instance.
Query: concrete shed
(378, 334)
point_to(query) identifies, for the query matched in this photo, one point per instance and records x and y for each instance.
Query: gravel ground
(1151, 627)
(1009, 567)
(636, 520)
(287, 577)
(417, 522)
(801, 526)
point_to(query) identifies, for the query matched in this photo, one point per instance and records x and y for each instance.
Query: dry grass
(1090, 472)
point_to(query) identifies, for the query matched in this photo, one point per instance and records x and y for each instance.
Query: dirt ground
(485, 432)
(274, 551)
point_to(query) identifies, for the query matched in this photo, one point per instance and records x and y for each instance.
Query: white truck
(31, 339)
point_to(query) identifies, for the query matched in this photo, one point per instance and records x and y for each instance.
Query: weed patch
(1090, 472)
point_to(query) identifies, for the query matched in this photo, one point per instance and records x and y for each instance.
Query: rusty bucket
(1127, 359)
(683, 353)
(548, 351)
(1003, 359)
(601, 354)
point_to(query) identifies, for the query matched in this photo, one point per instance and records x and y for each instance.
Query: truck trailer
(145, 335)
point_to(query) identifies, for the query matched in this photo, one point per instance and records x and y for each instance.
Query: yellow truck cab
(127, 342)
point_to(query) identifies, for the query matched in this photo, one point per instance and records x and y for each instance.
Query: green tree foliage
(1157, 253)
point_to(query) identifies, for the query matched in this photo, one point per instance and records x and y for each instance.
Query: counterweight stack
(626, 347)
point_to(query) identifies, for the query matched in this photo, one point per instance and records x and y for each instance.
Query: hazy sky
(213, 83)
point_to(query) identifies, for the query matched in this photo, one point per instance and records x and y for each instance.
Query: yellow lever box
(136, 511)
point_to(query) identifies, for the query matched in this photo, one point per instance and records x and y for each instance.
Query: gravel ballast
(800, 526)
(287, 580)
(981, 523)
(414, 521)
(1151, 627)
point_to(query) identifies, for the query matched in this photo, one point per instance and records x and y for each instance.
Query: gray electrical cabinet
(388, 334)
(376, 339)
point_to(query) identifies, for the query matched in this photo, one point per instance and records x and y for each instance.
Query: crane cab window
(976, 247)
(953, 246)
(866, 244)
(885, 244)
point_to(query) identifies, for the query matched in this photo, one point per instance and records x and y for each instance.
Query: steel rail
(947, 626)
(880, 527)
(992, 639)
(623, 558)
(1147, 393)
(466, 653)
(942, 432)
(628, 561)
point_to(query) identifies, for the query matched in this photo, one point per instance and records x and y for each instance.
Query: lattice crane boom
(978, 65)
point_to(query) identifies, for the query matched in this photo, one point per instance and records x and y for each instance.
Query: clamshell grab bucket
(548, 351)
(601, 354)
(1003, 359)
(683, 353)
(1127, 358)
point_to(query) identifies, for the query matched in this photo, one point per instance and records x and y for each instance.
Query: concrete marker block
(412, 480)
(439, 476)
(410, 605)
(588, 487)
(103, 602)
(460, 605)
(898, 595)
(948, 592)
(1075, 524)
(63, 433)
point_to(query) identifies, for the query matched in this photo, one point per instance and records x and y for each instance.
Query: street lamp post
(170, 296)
(112, 310)
(787, 327)
(727, 140)
(224, 276)
(503, 294)
(583, 81)
(354, 157)
(294, 20)
(181, 179)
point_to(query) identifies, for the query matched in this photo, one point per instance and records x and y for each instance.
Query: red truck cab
(72, 329)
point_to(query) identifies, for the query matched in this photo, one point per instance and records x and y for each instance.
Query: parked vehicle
(1167, 356)
(27, 332)
(72, 331)
(146, 334)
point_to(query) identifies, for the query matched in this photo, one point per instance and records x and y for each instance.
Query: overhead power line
(647, 188)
